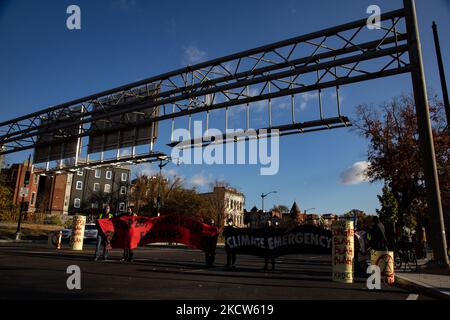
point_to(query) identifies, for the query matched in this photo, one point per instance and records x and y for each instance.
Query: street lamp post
(25, 183)
(306, 220)
(163, 161)
(265, 195)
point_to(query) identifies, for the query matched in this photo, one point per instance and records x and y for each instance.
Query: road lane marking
(412, 297)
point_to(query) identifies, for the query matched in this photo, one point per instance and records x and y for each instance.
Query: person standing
(377, 236)
(210, 257)
(268, 230)
(231, 257)
(424, 242)
(128, 252)
(101, 237)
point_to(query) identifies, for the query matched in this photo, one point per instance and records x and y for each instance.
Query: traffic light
(27, 178)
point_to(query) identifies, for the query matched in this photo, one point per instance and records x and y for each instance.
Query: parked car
(66, 234)
(90, 233)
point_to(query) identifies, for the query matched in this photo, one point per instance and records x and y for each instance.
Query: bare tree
(217, 202)
(139, 192)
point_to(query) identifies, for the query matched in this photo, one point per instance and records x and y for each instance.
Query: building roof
(295, 209)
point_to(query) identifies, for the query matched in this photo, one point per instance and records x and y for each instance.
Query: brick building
(14, 177)
(54, 194)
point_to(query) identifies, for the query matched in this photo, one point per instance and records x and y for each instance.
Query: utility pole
(25, 183)
(442, 75)
(435, 211)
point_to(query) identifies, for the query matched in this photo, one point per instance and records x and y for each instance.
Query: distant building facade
(82, 192)
(92, 189)
(231, 201)
(256, 219)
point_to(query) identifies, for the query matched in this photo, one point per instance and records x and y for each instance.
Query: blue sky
(121, 41)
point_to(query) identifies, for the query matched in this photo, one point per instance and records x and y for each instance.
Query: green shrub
(54, 221)
(37, 218)
(68, 222)
(10, 215)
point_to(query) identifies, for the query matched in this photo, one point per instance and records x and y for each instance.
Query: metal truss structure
(330, 58)
(324, 59)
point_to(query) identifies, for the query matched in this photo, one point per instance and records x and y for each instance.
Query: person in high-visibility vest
(101, 238)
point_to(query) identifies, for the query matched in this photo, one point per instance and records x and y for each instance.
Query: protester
(424, 242)
(101, 237)
(128, 252)
(231, 257)
(361, 257)
(209, 256)
(268, 231)
(406, 241)
(377, 236)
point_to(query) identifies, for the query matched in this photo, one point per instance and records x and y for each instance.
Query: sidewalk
(433, 283)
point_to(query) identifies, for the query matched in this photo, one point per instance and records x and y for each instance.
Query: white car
(90, 232)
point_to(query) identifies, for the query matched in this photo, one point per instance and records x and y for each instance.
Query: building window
(77, 203)
(80, 172)
(122, 206)
(33, 198)
(79, 185)
(98, 173)
(123, 190)
(124, 176)
(107, 188)
(36, 178)
(109, 175)
(96, 187)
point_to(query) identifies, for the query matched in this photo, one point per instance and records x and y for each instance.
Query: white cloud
(145, 169)
(193, 55)
(149, 169)
(258, 106)
(356, 174)
(341, 97)
(306, 97)
(200, 180)
(309, 96)
(170, 173)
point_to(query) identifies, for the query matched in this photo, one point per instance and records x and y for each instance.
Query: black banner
(269, 242)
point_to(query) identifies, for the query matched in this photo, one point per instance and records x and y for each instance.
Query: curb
(16, 241)
(421, 288)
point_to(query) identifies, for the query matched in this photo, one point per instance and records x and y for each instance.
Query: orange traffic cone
(58, 242)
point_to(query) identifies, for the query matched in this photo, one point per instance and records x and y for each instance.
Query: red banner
(131, 232)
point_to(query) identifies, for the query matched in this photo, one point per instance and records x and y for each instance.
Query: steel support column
(435, 211)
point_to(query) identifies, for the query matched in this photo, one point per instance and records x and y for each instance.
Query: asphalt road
(31, 271)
